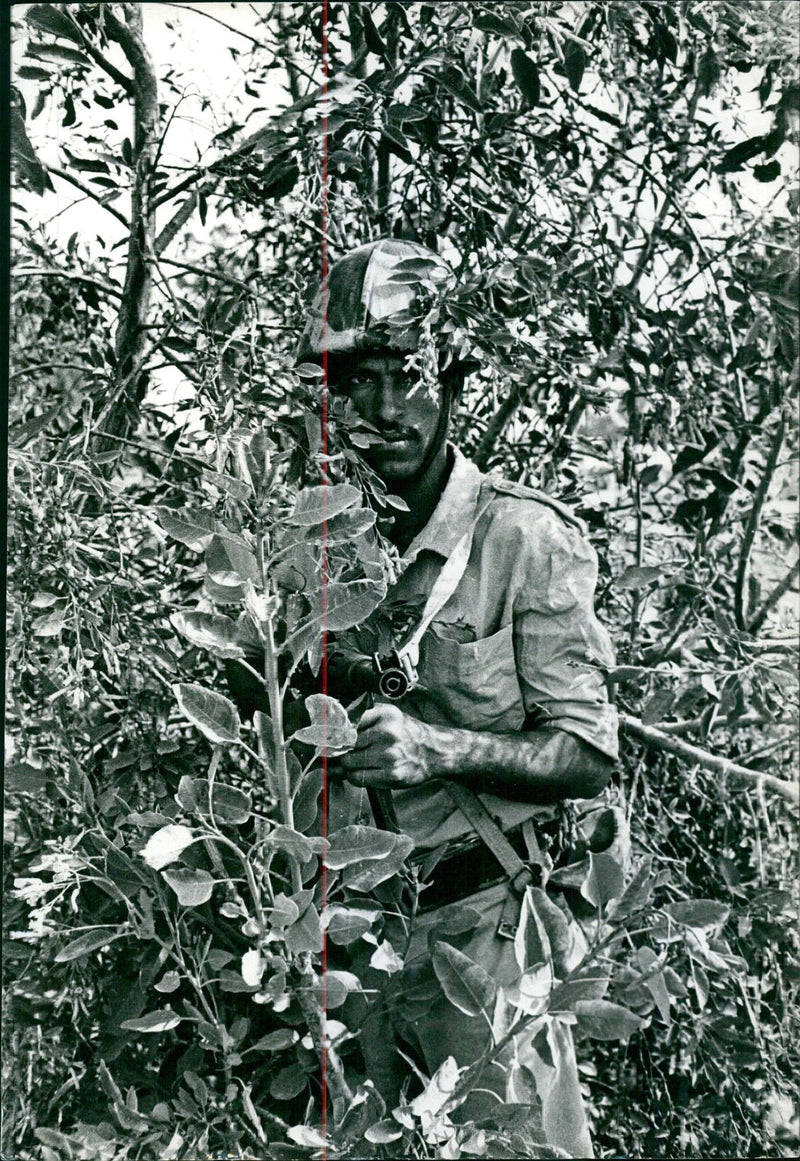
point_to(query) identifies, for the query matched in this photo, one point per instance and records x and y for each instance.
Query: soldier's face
(395, 403)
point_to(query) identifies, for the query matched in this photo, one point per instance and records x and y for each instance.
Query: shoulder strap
(444, 586)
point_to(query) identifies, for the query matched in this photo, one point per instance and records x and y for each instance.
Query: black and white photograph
(402, 581)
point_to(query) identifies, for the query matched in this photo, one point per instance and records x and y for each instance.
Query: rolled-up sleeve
(561, 649)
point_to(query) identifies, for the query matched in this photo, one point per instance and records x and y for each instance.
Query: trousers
(409, 1015)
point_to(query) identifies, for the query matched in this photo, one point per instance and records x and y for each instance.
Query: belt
(469, 870)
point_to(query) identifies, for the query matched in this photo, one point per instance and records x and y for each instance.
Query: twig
(657, 740)
(65, 175)
(739, 598)
(769, 604)
(37, 272)
(97, 56)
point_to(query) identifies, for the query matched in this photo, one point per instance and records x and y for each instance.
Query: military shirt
(517, 638)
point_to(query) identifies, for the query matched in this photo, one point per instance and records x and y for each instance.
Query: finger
(362, 759)
(370, 777)
(377, 714)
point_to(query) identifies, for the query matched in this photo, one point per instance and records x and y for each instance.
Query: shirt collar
(452, 514)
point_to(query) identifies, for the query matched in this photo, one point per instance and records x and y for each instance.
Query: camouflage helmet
(368, 289)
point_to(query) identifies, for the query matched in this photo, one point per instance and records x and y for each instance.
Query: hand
(393, 750)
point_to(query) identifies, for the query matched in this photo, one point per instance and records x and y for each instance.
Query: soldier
(509, 718)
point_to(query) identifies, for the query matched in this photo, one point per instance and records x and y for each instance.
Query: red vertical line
(324, 670)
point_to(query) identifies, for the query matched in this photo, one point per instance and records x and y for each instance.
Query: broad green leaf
(605, 880)
(230, 804)
(653, 980)
(192, 528)
(357, 843)
(153, 1022)
(169, 982)
(323, 503)
(229, 561)
(699, 913)
(211, 631)
(299, 846)
(213, 714)
(331, 729)
(531, 942)
(368, 873)
(501, 24)
(275, 1041)
(284, 911)
(637, 578)
(383, 1132)
(574, 63)
(603, 1020)
(345, 925)
(564, 996)
(193, 887)
(351, 603)
(253, 968)
(50, 19)
(86, 943)
(223, 594)
(638, 892)
(343, 528)
(465, 983)
(167, 845)
(289, 1083)
(306, 933)
(58, 54)
(526, 75)
(555, 924)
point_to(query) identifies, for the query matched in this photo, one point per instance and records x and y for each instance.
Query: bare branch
(739, 598)
(779, 591)
(93, 194)
(71, 275)
(657, 740)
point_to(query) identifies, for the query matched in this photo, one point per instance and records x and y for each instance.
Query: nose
(390, 397)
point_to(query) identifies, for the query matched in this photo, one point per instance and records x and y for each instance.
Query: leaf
(49, 19)
(299, 846)
(153, 1022)
(58, 54)
(323, 503)
(167, 845)
(698, 913)
(289, 1083)
(192, 528)
(355, 843)
(564, 997)
(526, 75)
(367, 874)
(169, 982)
(767, 172)
(345, 925)
(465, 983)
(210, 631)
(331, 729)
(494, 22)
(453, 80)
(654, 981)
(383, 1132)
(86, 943)
(213, 714)
(605, 879)
(603, 1020)
(385, 959)
(229, 561)
(275, 1041)
(574, 63)
(229, 803)
(637, 578)
(253, 968)
(351, 603)
(193, 887)
(554, 922)
(306, 933)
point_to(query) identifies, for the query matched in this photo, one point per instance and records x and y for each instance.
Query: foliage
(591, 173)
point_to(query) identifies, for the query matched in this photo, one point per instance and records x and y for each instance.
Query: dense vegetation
(615, 185)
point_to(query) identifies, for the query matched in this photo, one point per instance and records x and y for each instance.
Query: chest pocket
(471, 684)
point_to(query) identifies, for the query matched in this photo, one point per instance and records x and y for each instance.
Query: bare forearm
(545, 765)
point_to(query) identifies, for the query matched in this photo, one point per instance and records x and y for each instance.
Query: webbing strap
(490, 833)
(444, 586)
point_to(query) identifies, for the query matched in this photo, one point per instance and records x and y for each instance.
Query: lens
(393, 683)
